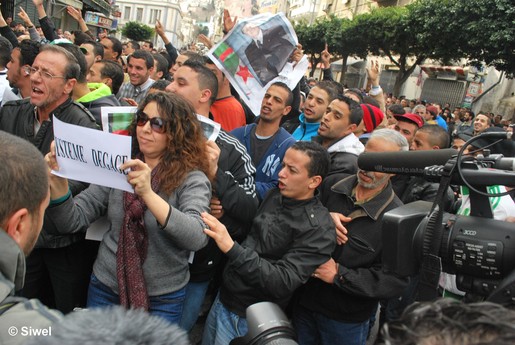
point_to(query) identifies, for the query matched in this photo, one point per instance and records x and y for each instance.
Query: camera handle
(431, 266)
(505, 292)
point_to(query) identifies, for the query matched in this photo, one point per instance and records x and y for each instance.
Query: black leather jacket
(18, 118)
(288, 240)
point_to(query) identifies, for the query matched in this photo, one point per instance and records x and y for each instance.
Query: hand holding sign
(58, 185)
(139, 176)
(91, 156)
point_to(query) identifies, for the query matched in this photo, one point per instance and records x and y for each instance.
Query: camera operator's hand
(327, 272)
(217, 232)
(341, 232)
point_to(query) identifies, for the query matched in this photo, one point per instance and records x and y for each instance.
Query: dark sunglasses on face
(157, 124)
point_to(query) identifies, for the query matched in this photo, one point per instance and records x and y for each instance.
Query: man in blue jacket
(306, 125)
(266, 141)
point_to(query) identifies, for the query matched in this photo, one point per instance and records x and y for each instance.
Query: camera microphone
(404, 162)
(497, 135)
(498, 162)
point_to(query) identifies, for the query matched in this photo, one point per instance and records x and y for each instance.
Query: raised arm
(376, 91)
(170, 49)
(7, 32)
(77, 15)
(228, 21)
(46, 24)
(325, 56)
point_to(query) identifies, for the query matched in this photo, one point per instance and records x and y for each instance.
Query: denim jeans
(222, 325)
(168, 306)
(314, 328)
(195, 294)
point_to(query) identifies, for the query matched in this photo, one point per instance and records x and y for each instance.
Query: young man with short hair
(290, 237)
(266, 141)
(336, 134)
(140, 66)
(306, 125)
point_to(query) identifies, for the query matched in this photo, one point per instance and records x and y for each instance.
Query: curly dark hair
(186, 144)
(450, 322)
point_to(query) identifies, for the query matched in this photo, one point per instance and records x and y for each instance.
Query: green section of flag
(227, 57)
(120, 121)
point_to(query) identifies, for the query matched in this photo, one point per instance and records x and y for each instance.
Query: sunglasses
(157, 124)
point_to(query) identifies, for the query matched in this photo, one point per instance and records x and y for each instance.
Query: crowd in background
(275, 209)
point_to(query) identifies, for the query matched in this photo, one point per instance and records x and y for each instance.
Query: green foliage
(312, 37)
(488, 33)
(137, 31)
(200, 29)
(444, 30)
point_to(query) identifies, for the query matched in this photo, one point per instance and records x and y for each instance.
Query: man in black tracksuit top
(335, 305)
(290, 237)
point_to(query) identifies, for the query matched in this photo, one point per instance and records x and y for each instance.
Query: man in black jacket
(268, 52)
(290, 237)
(57, 273)
(335, 306)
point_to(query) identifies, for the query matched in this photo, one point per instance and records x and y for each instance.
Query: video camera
(420, 238)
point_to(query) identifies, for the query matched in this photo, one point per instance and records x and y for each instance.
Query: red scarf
(132, 250)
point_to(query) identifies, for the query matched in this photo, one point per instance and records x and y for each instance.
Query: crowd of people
(275, 209)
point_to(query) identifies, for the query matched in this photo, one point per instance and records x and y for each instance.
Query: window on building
(139, 14)
(154, 16)
(126, 13)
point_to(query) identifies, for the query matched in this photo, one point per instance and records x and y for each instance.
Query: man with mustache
(58, 269)
(337, 303)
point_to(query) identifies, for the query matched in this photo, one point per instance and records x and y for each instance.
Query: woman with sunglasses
(143, 258)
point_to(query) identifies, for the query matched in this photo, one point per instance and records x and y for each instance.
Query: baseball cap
(432, 109)
(410, 117)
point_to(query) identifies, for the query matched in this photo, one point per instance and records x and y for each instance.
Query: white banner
(92, 156)
(256, 53)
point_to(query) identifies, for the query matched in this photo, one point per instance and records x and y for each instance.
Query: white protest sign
(92, 156)
(256, 53)
(210, 128)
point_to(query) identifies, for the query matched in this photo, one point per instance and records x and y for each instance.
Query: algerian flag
(228, 57)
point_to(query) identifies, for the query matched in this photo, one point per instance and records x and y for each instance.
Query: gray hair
(72, 68)
(419, 106)
(391, 136)
(111, 326)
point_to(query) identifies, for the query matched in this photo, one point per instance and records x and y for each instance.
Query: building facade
(168, 12)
